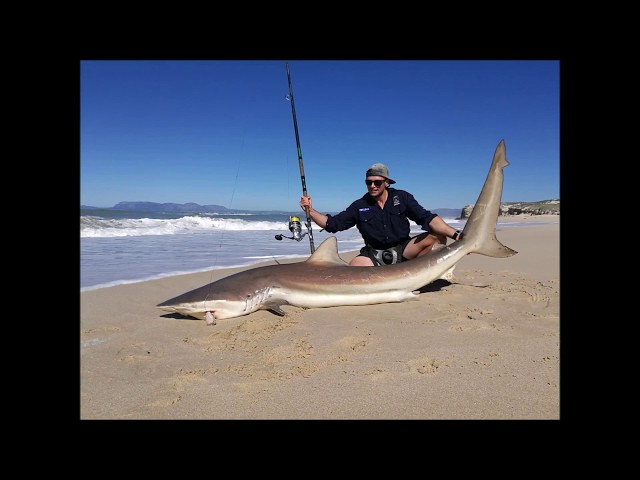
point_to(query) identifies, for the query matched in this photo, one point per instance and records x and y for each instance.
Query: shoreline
(485, 346)
(533, 220)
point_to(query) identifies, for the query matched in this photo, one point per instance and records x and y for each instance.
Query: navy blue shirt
(382, 228)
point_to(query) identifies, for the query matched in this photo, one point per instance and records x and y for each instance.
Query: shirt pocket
(397, 210)
(398, 221)
(366, 216)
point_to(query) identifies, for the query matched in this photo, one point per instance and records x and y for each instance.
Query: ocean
(118, 247)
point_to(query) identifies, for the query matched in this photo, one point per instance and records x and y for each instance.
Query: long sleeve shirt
(382, 228)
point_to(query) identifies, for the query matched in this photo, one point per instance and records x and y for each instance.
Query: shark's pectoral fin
(276, 309)
(448, 275)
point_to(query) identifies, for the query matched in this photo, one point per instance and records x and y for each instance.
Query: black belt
(388, 256)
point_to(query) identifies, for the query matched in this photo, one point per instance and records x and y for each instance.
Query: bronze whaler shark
(326, 280)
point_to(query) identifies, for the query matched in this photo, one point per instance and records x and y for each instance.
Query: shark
(326, 280)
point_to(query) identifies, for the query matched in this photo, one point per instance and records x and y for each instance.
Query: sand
(485, 346)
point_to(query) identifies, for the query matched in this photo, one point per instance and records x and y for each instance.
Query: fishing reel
(295, 227)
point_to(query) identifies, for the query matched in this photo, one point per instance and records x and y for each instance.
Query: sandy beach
(484, 346)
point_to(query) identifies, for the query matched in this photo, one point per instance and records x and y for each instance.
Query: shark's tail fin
(480, 228)
(493, 248)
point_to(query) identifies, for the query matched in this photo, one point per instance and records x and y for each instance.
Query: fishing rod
(295, 229)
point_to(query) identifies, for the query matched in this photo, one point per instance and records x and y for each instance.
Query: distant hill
(448, 212)
(544, 207)
(197, 208)
(171, 207)
(166, 207)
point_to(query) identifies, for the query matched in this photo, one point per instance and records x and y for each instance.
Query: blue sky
(221, 131)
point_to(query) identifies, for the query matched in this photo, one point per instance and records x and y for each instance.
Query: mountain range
(542, 207)
(197, 208)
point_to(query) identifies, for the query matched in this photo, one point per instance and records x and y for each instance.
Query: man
(382, 216)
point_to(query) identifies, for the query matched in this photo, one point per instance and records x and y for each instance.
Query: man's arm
(320, 219)
(438, 225)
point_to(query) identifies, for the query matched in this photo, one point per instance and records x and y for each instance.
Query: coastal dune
(485, 345)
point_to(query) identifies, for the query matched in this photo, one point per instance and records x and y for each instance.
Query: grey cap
(380, 170)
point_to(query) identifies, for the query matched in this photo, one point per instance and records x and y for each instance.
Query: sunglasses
(377, 183)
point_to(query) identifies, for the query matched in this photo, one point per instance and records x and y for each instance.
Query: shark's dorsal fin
(327, 254)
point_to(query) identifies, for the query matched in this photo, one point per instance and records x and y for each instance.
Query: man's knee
(361, 261)
(440, 239)
(436, 239)
(429, 241)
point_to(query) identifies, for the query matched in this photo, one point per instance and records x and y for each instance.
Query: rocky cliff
(544, 207)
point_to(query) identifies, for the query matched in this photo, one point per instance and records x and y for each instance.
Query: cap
(380, 170)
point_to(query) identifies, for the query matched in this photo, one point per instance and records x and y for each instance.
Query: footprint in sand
(171, 394)
(248, 334)
(424, 366)
(354, 344)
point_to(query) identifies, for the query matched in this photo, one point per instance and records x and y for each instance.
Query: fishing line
(210, 317)
(233, 194)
